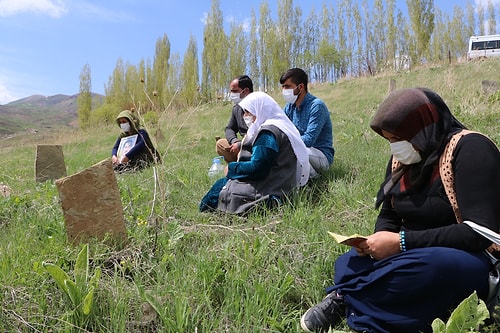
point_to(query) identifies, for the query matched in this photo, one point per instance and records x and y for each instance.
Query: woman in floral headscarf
(278, 162)
(420, 262)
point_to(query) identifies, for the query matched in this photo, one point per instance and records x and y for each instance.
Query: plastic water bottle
(217, 169)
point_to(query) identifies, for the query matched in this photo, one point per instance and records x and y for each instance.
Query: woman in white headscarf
(278, 164)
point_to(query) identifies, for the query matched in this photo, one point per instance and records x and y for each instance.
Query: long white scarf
(268, 112)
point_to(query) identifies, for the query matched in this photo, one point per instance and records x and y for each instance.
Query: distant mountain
(38, 113)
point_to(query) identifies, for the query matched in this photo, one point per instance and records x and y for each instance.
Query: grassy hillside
(41, 113)
(184, 271)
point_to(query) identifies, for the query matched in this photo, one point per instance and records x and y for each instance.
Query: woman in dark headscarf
(421, 262)
(141, 153)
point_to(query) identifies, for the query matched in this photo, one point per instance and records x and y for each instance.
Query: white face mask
(289, 96)
(235, 97)
(404, 152)
(125, 127)
(248, 120)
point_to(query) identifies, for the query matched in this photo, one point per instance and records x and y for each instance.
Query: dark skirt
(407, 291)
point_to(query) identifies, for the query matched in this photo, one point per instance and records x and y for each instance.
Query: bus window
(492, 44)
(478, 46)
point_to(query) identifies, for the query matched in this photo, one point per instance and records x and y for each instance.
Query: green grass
(184, 271)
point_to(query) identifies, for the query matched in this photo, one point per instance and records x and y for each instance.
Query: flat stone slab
(49, 163)
(92, 205)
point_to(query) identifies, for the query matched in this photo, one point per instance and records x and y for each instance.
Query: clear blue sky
(44, 44)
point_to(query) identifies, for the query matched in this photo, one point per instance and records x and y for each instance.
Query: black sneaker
(328, 313)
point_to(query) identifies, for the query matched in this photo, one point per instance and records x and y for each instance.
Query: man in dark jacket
(230, 146)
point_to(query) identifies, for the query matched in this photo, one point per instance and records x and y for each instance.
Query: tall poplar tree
(238, 50)
(492, 22)
(369, 51)
(421, 13)
(322, 40)
(288, 39)
(266, 39)
(358, 23)
(341, 36)
(253, 56)
(215, 50)
(297, 38)
(84, 99)
(459, 33)
(141, 85)
(173, 83)
(379, 35)
(440, 44)
(190, 78)
(391, 33)
(160, 71)
(115, 89)
(311, 33)
(350, 26)
(471, 19)
(480, 18)
(404, 43)
(326, 57)
(132, 85)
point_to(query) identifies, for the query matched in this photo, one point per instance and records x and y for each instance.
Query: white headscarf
(268, 112)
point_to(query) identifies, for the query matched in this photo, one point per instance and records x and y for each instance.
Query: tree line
(342, 39)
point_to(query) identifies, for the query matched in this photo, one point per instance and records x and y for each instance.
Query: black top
(426, 214)
(236, 125)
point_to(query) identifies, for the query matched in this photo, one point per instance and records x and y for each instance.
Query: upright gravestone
(392, 85)
(92, 205)
(490, 86)
(49, 163)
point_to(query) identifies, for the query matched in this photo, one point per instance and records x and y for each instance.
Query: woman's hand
(114, 160)
(379, 245)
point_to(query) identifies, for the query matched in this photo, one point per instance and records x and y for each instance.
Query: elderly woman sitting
(278, 163)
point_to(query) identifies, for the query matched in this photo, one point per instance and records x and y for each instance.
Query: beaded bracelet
(402, 241)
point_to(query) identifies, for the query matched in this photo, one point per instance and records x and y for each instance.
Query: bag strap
(446, 171)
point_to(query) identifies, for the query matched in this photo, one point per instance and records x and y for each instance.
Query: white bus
(484, 46)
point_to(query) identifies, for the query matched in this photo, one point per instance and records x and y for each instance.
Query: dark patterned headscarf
(420, 116)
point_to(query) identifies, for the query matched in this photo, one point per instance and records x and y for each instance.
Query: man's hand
(235, 148)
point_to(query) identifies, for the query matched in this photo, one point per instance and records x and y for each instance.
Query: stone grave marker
(92, 205)
(490, 86)
(49, 163)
